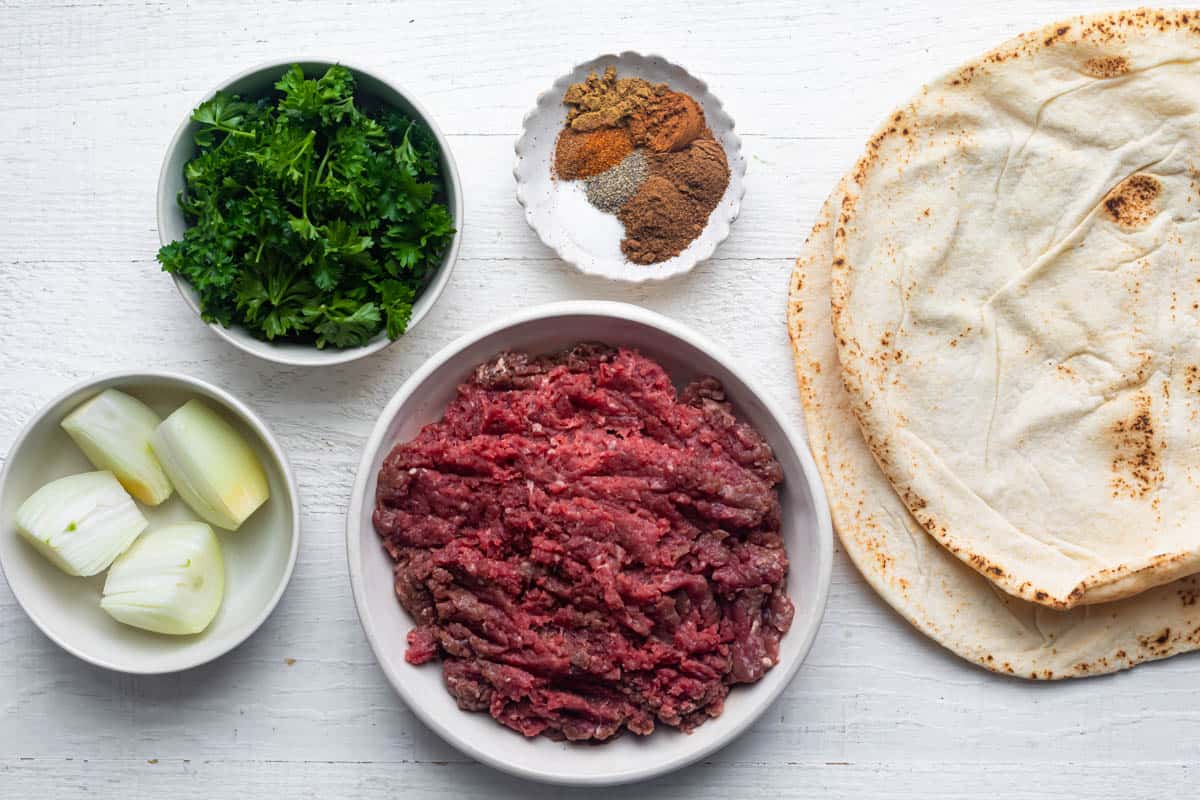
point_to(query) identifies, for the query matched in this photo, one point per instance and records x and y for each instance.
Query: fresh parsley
(310, 219)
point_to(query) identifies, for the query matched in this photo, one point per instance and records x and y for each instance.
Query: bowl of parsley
(309, 212)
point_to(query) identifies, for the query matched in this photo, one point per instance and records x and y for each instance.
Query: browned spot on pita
(1106, 66)
(1132, 203)
(1058, 33)
(984, 566)
(1137, 463)
(1156, 643)
(1191, 378)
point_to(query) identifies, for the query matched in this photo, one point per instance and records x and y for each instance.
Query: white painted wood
(91, 94)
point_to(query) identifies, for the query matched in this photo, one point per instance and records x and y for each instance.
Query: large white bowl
(685, 354)
(259, 556)
(582, 235)
(257, 82)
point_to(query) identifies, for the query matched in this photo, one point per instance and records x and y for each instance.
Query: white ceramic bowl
(259, 557)
(558, 211)
(685, 354)
(257, 82)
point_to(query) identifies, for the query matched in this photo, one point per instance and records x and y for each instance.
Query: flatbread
(942, 597)
(1016, 296)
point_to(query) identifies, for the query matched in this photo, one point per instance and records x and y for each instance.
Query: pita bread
(943, 598)
(1016, 296)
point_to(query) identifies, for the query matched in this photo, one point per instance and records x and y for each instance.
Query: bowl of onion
(149, 522)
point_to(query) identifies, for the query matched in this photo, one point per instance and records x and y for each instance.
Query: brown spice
(584, 154)
(659, 222)
(670, 121)
(701, 171)
(607, 102)
(673, 205)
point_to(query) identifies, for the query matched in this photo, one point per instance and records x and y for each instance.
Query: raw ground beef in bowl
(601, 605)
(585, 550)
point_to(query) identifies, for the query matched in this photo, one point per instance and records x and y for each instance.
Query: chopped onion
(113, 431)
(214, 469)
(171, 581)
(81, 522)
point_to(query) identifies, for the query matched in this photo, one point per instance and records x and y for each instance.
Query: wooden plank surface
(92, 93)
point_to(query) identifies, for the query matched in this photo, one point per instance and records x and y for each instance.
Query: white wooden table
(91, 93)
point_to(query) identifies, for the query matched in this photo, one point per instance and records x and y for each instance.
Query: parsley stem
(233, 131)
(321, 168)
(304, 192)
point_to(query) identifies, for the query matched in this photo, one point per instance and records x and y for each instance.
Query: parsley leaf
(310, 219)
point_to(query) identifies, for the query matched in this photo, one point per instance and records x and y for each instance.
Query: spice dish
(647, 186)
(258, 557)
(805, 530)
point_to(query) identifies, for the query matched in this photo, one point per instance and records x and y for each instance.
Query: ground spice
(584, 154)
(607, 102)
(670, 121)
(609, 190)
(701, 171)
(659, 222)
(672, 207)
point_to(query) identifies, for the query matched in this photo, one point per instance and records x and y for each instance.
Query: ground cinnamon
(584, 154)
(670, 121)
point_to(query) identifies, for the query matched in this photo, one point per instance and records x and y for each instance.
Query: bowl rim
(569, 252)
(231, 403)
(441, 278)
(822, 533)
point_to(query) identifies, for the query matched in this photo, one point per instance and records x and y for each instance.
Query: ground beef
(585, 551)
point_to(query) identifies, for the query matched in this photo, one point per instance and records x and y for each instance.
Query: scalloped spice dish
(647, 156)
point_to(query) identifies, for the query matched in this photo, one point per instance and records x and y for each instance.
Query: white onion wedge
(171, 581)
(81, 522)
(113, 431)
(213, 468)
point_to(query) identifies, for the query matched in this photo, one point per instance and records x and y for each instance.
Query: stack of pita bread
(996, 327)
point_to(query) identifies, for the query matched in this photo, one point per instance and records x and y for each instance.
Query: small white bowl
(259, 557)
(558, 211)
(256, 82)
(685, 354)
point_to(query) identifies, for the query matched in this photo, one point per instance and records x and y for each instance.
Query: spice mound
(587, 551)
(582, 155)
(648, 157)
(607, 102)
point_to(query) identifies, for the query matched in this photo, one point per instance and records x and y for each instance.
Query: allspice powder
(659, 222)
(673, 205)
(701, 171)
